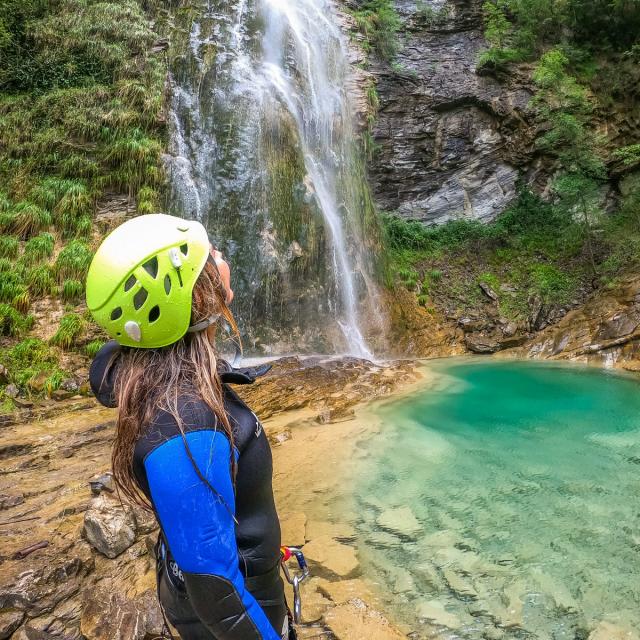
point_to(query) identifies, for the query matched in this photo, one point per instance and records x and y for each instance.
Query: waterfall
(264, 153)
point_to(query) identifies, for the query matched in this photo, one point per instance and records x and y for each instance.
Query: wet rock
(336, 557)
(403, 581)
(112, 616)
(356, 621)
(434, 612)
(293, 527)
(10, 620)
(608, 631)
(102, 482)
(109, 527)
(384, 540)
(460, 587)
(400, 521)
(341, 591)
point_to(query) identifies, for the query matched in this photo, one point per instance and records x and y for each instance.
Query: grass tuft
(73, 261)
(71, 328)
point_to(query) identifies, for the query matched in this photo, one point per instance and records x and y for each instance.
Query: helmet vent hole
(151, 267)
(140, 298)
(185, 249)
(154, 314)
(167, 284)
(116, 314)
(130, 283)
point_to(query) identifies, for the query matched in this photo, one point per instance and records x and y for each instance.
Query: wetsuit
(217, 580)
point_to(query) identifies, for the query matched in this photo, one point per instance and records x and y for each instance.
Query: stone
(400, 521)
(29, 633)
(4, 374)
(488, 291)
(293, 528)
(109, 527)
(434, 612)
(11, 391)
(336, 557)
(38, 382)
(102, 482)
(60, 394)
(403, 581)
(384, 540)
(607, 631)
(10, 620)
(356, 621)
(481, 344)
(314, 603)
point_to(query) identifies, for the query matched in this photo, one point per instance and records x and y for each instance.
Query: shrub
(26, 219)
(9, 247)
(12, 322)
(70, 329)
(73, 261)
(72, 289)
(38, 248)
(40, 280)
(379, 22)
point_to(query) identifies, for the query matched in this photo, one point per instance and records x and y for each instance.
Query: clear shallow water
(522, 483)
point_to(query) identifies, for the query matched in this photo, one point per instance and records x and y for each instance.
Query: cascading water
(265, 155)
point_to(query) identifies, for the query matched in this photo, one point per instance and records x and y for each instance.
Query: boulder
(401, 521)
(109, 526)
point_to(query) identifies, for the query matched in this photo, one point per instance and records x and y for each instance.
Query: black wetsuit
(217, 580)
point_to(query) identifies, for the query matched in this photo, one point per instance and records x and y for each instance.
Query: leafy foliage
(379, 23)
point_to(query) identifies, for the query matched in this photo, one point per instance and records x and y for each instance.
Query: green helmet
(140, 282)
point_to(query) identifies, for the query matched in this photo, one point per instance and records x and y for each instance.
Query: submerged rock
(608, 631)
(434, 612)
(109, 527)
(401, 521)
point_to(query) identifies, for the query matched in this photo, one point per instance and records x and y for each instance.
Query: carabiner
(295, 580)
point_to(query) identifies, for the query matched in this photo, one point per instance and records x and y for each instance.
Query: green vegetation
(534, 250)
(519, 30)
(33, 366)
(379, 23)
(556, 250)
(81, 96)
(71, 328)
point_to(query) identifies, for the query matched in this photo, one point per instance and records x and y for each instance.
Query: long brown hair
(152, 380)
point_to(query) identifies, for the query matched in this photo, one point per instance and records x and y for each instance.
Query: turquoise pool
(503, 501)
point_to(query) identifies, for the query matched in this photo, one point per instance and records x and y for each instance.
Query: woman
(186, 445)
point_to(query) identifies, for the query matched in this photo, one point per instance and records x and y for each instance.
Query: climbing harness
(296, 579)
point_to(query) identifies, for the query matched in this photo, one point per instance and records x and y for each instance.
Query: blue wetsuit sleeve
(200, 531)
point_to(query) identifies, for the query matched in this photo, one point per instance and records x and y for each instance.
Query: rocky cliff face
(450, 142)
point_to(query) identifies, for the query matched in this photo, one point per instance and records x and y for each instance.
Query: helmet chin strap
(203, 324)
(206, 323)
